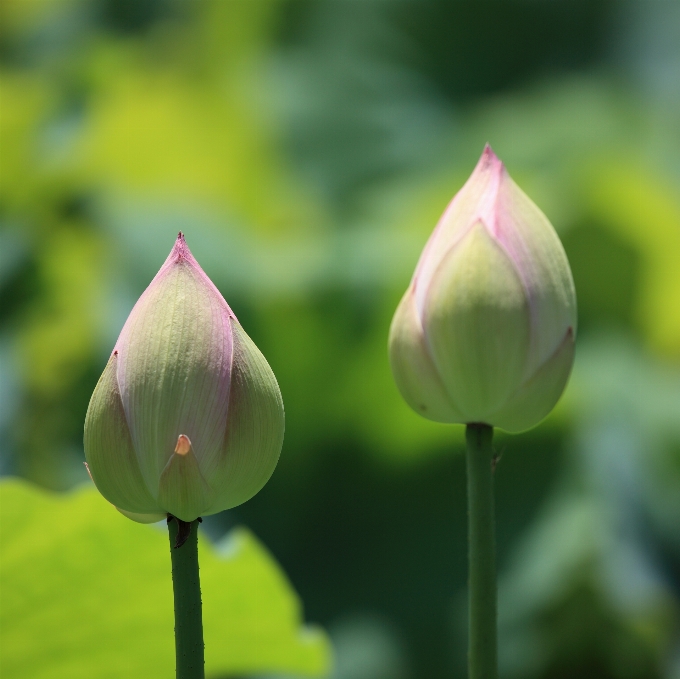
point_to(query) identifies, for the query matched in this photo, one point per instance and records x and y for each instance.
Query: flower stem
(482, 653)
(186, 587)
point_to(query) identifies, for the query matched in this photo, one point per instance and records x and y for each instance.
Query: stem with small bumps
(186, 587)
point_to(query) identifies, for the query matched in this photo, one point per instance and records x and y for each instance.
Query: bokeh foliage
(307, 150)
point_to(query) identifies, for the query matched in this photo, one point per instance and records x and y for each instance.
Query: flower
(187, 417)
(485, 332)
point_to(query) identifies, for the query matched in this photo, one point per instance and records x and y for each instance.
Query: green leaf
(87, 594)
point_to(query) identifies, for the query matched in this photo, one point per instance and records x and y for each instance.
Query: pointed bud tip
(183, 446)
(489, 159)
(180, 250)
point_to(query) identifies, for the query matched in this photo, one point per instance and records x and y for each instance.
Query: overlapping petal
(109, 451)
(476, 321)
(174, 365)
(413, 368)
(539, 394)
(183, 491)
(255, 426)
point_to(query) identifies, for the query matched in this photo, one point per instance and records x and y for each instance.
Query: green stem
(186, 586)
(482, 655)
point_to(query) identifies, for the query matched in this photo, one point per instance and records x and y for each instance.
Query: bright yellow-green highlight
(86, 595)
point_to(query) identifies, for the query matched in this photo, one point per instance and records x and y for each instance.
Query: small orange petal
(183, 445)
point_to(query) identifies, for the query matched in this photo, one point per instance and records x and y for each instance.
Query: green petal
(109, 452)
(142, 518)
(255, 425)
(183, 492)
(543, 267)
(412, 367)
(175, 357)
(477, 322)
(539, 395)
(453, 225)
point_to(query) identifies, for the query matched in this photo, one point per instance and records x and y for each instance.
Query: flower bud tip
(490, 160)
(180, 250)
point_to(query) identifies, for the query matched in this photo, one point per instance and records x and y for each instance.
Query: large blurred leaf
(87, 593)
(579, 595)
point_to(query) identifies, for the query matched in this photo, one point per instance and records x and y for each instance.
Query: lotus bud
(485, 332)
(187, 418)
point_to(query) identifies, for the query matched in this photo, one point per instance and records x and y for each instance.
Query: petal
(539, 395)
(110, 455)
(538, 255)
(175, 361)
(143, 518)
(183, 492)
(255, 425)
(413, 369)
(473, 202)
(477, 323)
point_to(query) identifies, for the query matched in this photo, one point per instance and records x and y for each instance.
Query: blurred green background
(307, 148)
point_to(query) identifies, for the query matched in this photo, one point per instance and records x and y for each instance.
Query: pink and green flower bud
(187, 418)
(485, 332)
